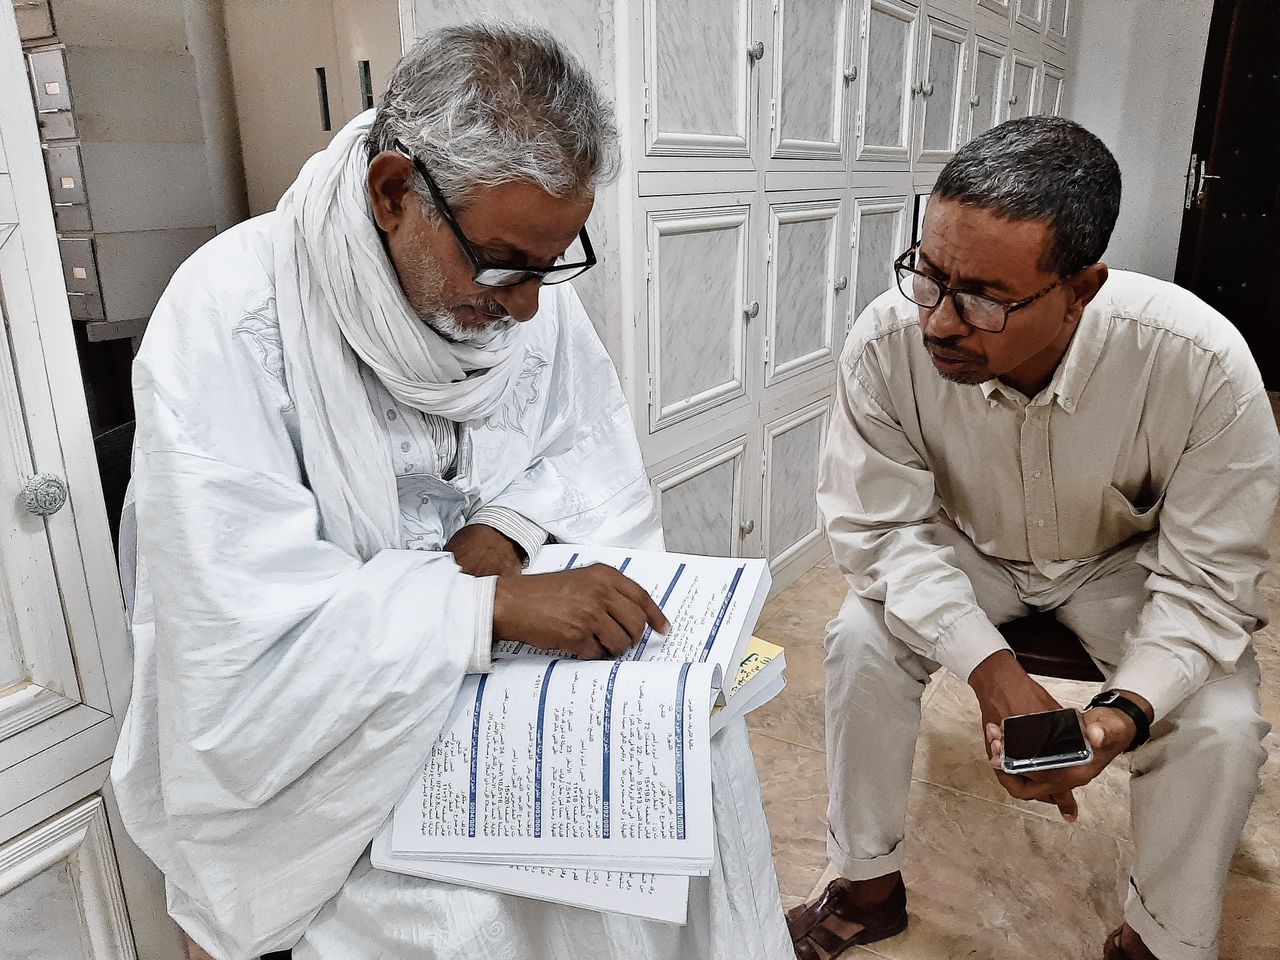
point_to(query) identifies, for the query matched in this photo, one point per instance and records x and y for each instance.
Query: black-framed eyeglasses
(489, 274)
(979, 312)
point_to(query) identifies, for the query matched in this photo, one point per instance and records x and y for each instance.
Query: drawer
(80, 271)
(35, 19)
(49, 78)
(66, 188)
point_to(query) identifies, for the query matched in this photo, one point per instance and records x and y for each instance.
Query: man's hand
(1004, 689)
(484, 552)
(592, 612)
(1109, 732)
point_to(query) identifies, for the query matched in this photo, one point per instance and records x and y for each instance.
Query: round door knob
(1013, 101)
(752, 309)
(44, 494)
(975, 101)
(927, 89)
(851, 75)
(756, 50)
(746, 527)
(842, 282)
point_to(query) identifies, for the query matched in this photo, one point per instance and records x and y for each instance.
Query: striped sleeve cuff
(526, 534)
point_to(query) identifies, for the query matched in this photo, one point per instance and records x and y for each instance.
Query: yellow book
(759, 680)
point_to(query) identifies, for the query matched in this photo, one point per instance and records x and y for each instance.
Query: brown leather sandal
(814, 938)
(1113, 949)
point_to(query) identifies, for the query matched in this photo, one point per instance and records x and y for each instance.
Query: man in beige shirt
(1017, 429)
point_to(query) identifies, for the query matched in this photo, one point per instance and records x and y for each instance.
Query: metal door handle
(851, 75)
(927, 89)
(842, 282)
(747, 527)
(1013, 100)
(975, 101)
(44, 494)
(756, 50)
(752, 309)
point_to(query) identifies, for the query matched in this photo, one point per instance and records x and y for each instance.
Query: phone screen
(1053, 734)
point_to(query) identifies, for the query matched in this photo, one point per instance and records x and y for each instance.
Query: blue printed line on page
(684, 673)
(648, 631)
(625, 563)
(537, 751)
(572, 561)
(475, 756)
(608, 721)
(724, 609)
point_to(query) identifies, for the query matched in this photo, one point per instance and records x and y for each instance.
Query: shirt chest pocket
(1121, 520)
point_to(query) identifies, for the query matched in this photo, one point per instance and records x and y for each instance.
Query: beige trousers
(1192, 784)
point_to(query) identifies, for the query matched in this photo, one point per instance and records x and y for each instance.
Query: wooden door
(1231, 222)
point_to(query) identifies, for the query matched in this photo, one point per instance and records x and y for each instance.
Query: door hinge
(773, 113)
(766, 351)
(764, 464)
(858, 132)
(866, 13)
(646, 101)
(651, 390)
(768, 250)
(648, 263)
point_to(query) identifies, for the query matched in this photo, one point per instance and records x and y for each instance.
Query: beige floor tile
(796, 715)
(793, 785)
(987, 882)
(1250, 921)
(1258, 855)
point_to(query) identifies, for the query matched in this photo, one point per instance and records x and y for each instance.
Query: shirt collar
(1077, 364)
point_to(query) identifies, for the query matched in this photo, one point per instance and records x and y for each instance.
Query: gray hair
(493, 102)
(1042, 168)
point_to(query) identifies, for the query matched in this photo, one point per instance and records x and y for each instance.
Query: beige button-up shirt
(1155, 425)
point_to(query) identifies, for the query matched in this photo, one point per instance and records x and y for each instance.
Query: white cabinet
(1024, 72)
(1030, 14)
(879, 233)
(702, 501)
(812, 73)
(1056, 27)
(64, 661)
(1051, 90)
(888, 85)
(792, 447)
(805, 279)
(940, 91)
(987, 66)
(700, 61)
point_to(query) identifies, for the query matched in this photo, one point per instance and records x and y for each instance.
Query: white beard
(447, 325)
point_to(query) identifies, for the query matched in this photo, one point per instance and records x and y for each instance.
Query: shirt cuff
(482, 644)
(526, 534)
(967, 641)
(1153, 675)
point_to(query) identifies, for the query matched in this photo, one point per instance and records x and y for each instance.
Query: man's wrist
(991, 673)
(1133, 708)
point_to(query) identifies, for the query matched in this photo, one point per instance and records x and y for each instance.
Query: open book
(588, 782)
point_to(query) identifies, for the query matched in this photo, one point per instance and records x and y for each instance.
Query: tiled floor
(988, 877)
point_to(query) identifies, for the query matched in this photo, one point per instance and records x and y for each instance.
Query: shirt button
(1038, 474)
(1068, 403)
(391, 414)
(405, 446)
(1039, 523)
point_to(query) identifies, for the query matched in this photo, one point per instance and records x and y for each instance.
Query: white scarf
(339, 303)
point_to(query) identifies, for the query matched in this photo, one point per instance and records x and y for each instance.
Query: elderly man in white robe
(349, 440)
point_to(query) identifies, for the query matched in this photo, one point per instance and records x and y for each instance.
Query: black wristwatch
(1109, 698)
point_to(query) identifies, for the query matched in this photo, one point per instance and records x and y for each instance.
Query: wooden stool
(1048, 649)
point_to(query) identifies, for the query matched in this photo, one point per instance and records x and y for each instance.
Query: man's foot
(1125, 944)
(848, 913)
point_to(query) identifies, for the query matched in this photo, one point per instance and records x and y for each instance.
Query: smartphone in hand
(1044, 741)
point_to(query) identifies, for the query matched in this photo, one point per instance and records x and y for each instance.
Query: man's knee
(1225, 734)
(859, 640)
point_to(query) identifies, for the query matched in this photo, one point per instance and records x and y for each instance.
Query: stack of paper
(588, 782)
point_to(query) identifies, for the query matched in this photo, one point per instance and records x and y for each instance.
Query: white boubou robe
(285, 692)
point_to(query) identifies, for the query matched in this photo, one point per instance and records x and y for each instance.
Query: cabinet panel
(809, 82)
(804, 245)
(941, 96)
(701, 502)
(1051, 91)
(879, 236)
(60, 891)
(888, 53)
(1057, 16)
(989, 61)
(699, 77)
(1022, 87)
(697, 295)
(1030, 13)
(792, 445)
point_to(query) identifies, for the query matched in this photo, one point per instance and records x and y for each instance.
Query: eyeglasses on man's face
(574, 262)
(979, 312)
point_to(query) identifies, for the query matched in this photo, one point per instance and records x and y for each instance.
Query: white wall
(1134, 80)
